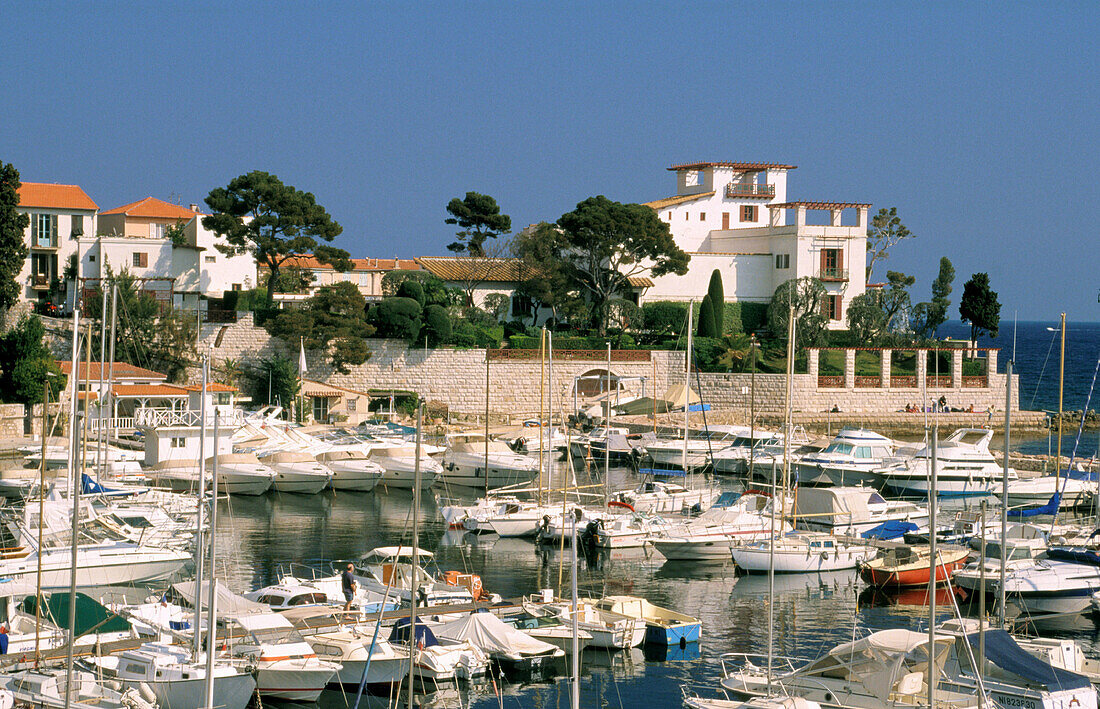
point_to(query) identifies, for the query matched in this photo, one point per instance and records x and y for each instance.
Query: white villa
(60, 215)
(735, 217)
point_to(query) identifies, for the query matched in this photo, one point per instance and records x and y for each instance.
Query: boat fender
(113, 684)
(618, 503)
(824, 556)
(147, 693)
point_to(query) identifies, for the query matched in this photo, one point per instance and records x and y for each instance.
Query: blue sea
(1034, 347)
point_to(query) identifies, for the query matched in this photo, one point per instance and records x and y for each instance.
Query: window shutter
(725, 220)
(824, 261)
(838, 307)
(34, 229)
(840, 260)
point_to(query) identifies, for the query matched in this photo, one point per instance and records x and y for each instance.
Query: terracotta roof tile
(639, 281)
(51, 196)
(743, 166)
(211, 386)
(659, 204)
(153, 390)
(122, 370)
(357, 264)
(153, 208)
(461, 268)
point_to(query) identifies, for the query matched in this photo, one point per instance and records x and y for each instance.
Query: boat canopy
(494, 636)
(263, 621)
(228, 603)
(424, 634)
(387, 553)
(1005, 653)
(839, 505)
(879, 660)
(289, 457)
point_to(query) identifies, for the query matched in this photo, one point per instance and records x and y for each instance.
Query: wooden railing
(830, 381)
(157, 418)
(749, 189)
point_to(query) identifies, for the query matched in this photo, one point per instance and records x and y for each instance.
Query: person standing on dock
(348, 584)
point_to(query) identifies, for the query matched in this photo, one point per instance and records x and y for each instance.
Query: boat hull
(670, 635)
(230, 692)
(755, 560)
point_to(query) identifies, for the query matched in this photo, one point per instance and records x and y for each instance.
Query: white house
(735, 217)
(365, 273)
(192, 266)
(60, 215)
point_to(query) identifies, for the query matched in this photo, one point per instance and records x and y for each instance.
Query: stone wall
(11, 420)
(456, 377)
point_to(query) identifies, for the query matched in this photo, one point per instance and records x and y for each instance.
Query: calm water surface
(812, 612)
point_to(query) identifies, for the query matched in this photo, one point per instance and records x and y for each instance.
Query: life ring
(624, 505)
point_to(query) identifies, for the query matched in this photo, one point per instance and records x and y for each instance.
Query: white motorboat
(351, 649)
(557, 527)
(733, 459)
(286, 666)
(1054, 586)
(853, 510)
(626, 531)
(106, 564)
(884, 670)
(509, 518)
(1076, 490)
(177, 680)
(390, 570)
(249, 476)
(670, 452)
(800, 553)
(965, 468)
(850, 459)
(711, 536)
(351, 469)
(46, 688)
(658, 497)
(298, 472)
(399, 466)
(324, 592)
(472, 461)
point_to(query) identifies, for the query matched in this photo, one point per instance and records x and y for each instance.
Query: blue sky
(977, 121)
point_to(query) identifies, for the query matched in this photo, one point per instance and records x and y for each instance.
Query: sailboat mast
(74, 462)
(1004, 486)
(111, 363)
(542, 405)
(416, 543)
(791, 333)
(41, 512)
(212, 597)
(576, 693)
(687, 385)
(197, 645)
(931, 676)
(1061, 392)
(606, 436)
(486, 433)
(101, 447)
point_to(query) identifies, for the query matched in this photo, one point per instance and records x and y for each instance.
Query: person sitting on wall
(836, 409)
(943, 403)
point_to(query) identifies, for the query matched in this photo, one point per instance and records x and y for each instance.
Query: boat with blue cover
(663, 626)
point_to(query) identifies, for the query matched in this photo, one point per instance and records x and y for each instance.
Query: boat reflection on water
(622, 664)
(873, 597)
(671, 653)
(822, 583)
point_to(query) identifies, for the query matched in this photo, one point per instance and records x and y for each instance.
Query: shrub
(397, 317)
(411, 288)
(230, 299)
(662, 319)
(717, 302)
(437, 324)
(707, 322)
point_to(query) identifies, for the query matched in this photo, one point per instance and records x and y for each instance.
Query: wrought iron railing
(575, 355)
(749, 189)
(832, 274)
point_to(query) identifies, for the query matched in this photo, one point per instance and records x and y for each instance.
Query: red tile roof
(51, 196)
(152, 390)
(743, 166)
(153, 208)
(659, 204)
(211, 386)
(122, 370)
(357, 264)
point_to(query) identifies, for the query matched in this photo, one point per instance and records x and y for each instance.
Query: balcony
(40, 281)
(832, 274)
(750, 189)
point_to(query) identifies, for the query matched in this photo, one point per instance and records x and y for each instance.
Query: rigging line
(1035, 393)
(1077, 440)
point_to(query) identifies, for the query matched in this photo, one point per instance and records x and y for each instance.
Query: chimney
(195, 208)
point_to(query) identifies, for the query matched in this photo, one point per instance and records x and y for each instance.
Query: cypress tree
(706, 319)
(717, 302)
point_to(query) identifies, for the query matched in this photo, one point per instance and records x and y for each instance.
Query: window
(91, 258)
(831, 307)
(236, 286)
(179, 442)
(522, 306)
(702, 216)
(210, 259)
(832, 264)
(782, 260)
(725, 220)
(156, 231)
(351, 404)
(44, 230)
(77, 229)
(141, 259)
(748, 212)
(670, 216)
(320, 408)
(686, 216)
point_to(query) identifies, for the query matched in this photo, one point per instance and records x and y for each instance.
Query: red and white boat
(905, 565)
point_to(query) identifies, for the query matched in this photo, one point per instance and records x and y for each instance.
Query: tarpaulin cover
(1002, 651)
(1079, 555)
(494, 636)
(228, 602)
(424, 634)
(1050, 508)
(891, 529)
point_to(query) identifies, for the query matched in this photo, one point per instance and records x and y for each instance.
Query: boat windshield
(276, 636)
(841, 448)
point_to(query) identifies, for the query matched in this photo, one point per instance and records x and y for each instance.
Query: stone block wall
(11, 420)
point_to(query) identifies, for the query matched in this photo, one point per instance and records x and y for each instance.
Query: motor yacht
(390, 570)
(850, 459)
(472, 461)
(250, 476)
(351, 469)
(660, 497)
(399, 466)
(700, 446)
(285, 665)
(710, 537)
(800, 553)
(965, 468)
(297, 472)
(853, 511)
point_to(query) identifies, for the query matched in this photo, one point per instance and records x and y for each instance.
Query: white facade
(59, 216)
(735, 217)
